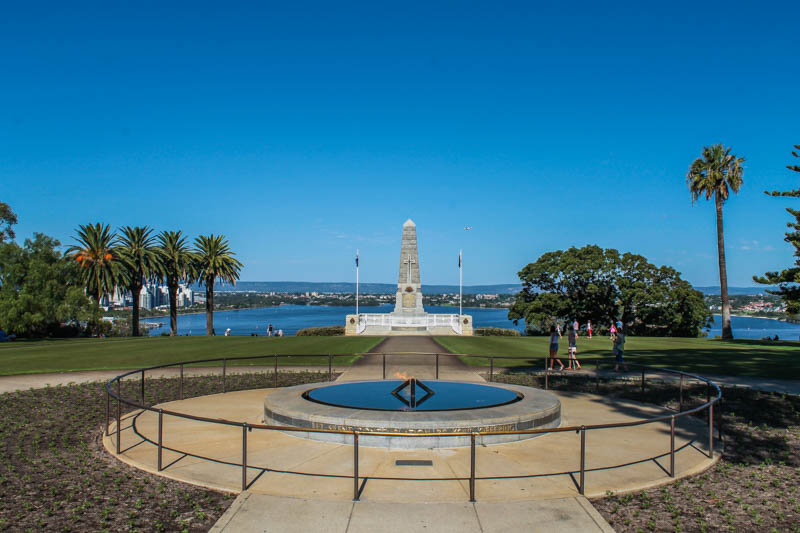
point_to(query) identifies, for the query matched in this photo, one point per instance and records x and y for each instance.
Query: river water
(291, 318)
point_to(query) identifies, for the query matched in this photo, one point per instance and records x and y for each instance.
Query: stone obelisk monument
(409, 290)
(408, 317)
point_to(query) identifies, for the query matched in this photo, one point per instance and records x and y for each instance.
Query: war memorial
(409, 316)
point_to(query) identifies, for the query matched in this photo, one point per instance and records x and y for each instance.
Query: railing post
(108, 407)
(708, 393)
(330, 368)
(355, 466)
(643, 384)
(546, 378)
(119, 414)
(276, 371)
(472, 467)
(583, 460)
(680, 400)
(244, 456)
(711, 431)
(384, 366)
(437, 366)
(181, 381)
(142, 387)
(160, 437)
(672, 446)
(491, 368)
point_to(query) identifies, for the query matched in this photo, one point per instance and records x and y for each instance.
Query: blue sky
(303, 131)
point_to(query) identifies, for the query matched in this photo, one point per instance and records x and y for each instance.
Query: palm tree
(214, 261)
(98, 260)
(177, 262)
(716, 173)
(141, 263)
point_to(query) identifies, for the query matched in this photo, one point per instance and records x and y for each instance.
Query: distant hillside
(364, 288)
(391, 288)
(737, 290)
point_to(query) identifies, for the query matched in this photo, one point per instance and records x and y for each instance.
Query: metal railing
(713, 396)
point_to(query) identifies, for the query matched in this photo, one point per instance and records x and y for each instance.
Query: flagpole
(460, 279)
(356, 281)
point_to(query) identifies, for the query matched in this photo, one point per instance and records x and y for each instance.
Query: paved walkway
(260, 513)
(410, 357)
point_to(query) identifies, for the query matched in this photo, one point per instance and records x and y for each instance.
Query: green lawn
(30, 357)
(702, 356)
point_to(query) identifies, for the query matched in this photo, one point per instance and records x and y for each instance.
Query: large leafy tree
(40, 292)
(96, 256)
(140, 261)
(788, 279)
(178, 265)
(602, 285)
(7, 219)
(715, 174)
(215, 261)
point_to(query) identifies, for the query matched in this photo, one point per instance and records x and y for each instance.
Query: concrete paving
(410, 357)
(265, 513)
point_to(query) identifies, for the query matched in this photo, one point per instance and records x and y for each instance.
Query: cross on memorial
(408, 262)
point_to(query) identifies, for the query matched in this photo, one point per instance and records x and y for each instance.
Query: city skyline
(302, 137)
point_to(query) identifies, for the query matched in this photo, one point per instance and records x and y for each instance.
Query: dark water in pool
(447, 396)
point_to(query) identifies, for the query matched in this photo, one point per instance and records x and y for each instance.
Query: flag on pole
(459, 259)
(356, 258)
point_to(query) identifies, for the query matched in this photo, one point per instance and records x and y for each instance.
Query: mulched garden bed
(56, 476)
(754, 487)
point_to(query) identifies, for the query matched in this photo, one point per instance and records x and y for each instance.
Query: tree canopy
(602, 285)
(7, 219)
(788, 279)
(40, 289)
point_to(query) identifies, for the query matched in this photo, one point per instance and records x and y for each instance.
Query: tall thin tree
(98, 260)
(178, 264)
(215, 261)
(716, 173)
(140, 260)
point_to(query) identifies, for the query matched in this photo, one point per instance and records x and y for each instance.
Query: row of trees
(136, 256)
(603, 285)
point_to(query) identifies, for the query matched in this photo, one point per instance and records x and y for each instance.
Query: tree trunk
(727, 333)
(209, 306)
(136, 292)
(173, 307)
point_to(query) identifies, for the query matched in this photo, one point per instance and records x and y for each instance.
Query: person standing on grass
(558, 329)
(573, 348)
(613, 331)
(554, 348)
(589, 328)
(619, 348)
(269, 330)
(576, 326)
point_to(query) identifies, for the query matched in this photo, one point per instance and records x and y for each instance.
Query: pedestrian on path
(573, 349)
(554, 348)
(619, 348)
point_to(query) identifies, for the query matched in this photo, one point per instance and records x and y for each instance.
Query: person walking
(573, 349)
(619, 347)
(589, 328)
(554, 348)
(269, 330)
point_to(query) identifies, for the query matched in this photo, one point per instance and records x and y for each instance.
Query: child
(589, 328)
(619, 348)
(573, 349)
(554, 348)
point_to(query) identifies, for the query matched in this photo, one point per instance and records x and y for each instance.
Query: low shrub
(497, 332)
(323, 331)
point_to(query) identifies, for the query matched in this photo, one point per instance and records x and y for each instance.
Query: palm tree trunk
(136, 292)
(209, 306)
(727, 332)
(173, 308)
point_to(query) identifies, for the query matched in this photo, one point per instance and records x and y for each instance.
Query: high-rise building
(145, 298)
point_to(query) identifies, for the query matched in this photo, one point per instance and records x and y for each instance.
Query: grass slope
(29, 357)
(735, 358)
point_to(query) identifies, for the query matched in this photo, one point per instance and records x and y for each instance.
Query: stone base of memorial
(530, 409)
